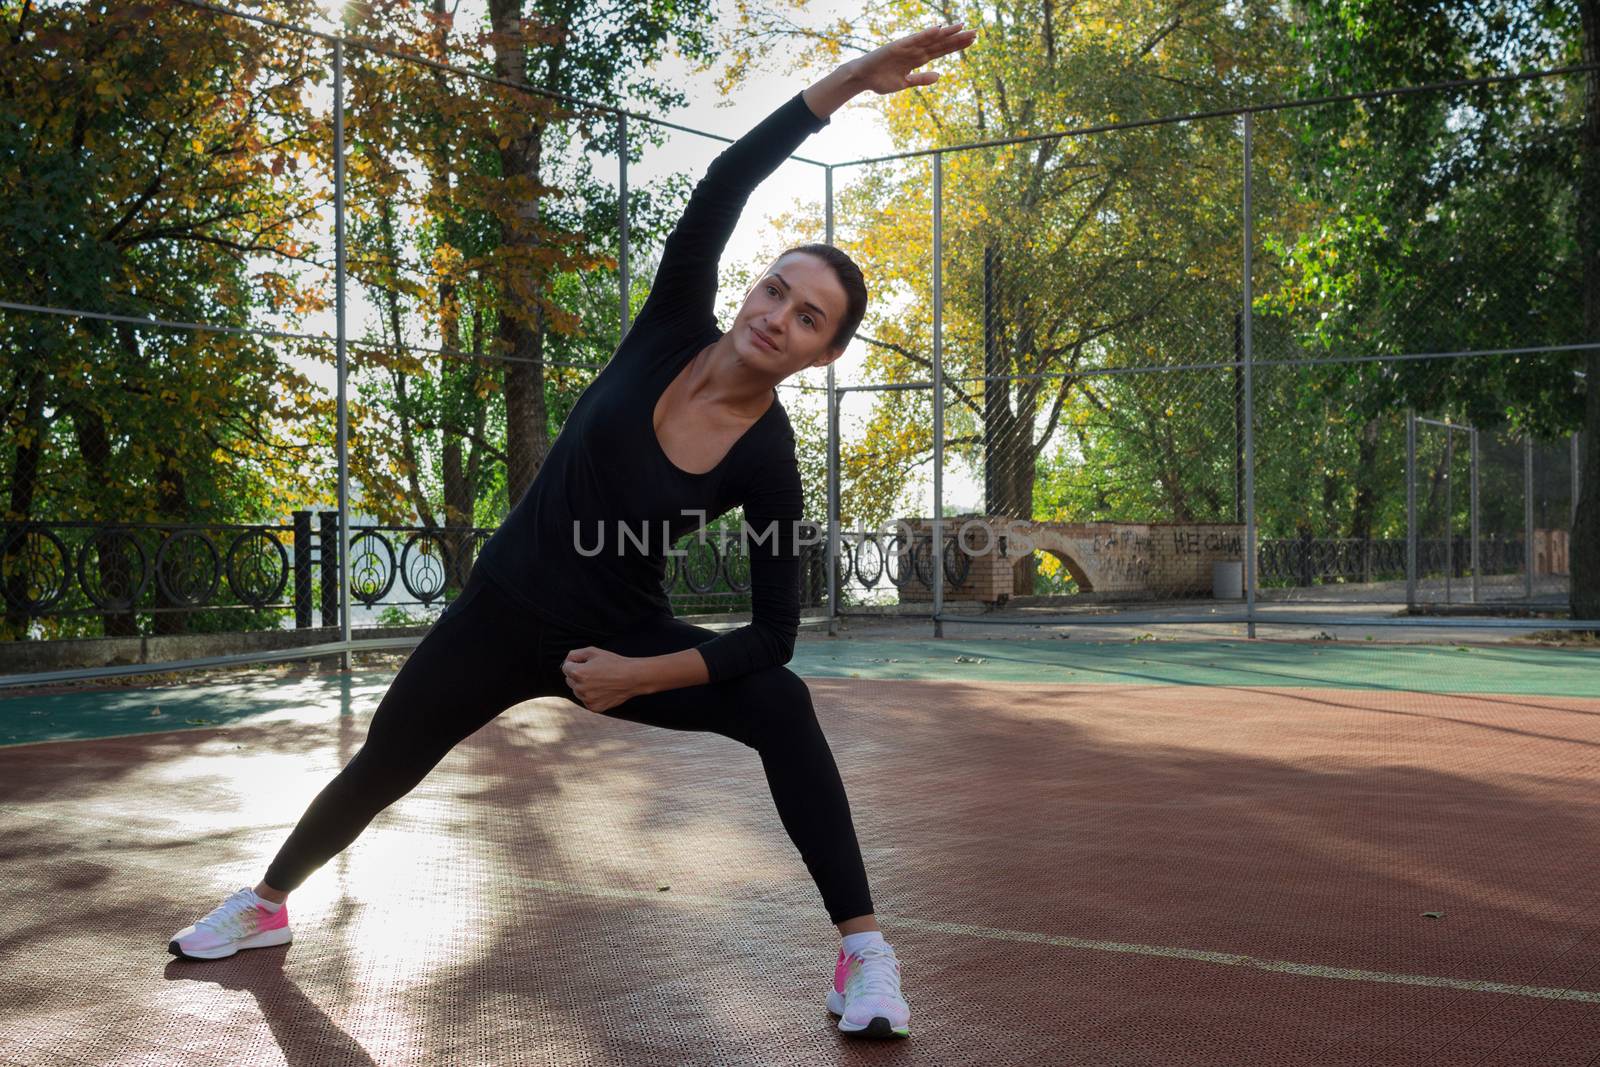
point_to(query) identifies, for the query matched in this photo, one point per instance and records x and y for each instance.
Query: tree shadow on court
(84, 980)
(637, 981)
(563, 798)
(303, 1032)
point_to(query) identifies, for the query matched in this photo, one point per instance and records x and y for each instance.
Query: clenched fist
(600, 680)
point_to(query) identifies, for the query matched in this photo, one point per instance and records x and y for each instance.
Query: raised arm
(684, 291)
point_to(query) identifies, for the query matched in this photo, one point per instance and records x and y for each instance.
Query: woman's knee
(776, 703)
(779, 685)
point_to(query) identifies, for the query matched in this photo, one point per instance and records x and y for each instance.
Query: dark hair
(855, 287)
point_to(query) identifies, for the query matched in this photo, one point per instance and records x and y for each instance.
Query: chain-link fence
(1195, 368)
(1204, 370)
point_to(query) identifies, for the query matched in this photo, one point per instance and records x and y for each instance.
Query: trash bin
(1227, 580)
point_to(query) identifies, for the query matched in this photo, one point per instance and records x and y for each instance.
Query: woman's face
(789, 318)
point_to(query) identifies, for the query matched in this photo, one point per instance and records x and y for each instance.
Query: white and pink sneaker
(241, 921)
(866, 993)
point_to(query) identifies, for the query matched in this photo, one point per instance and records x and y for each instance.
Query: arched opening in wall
(1047, 573)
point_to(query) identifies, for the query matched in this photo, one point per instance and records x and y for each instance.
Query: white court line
(991, 933)
(1227, 959)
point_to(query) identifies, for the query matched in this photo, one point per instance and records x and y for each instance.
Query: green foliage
(399, 615)
(482, 229)
(153, 169)
(1451, 216)
(1063, 259)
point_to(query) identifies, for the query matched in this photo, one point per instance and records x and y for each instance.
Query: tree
(1469, 219)
(151, 166)
(1586, 526)
(584, 50)
(481, 229)
(1102, 251)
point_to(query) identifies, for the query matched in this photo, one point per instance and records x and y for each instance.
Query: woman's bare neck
(715, 377)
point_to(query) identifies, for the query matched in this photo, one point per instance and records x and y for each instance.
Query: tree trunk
(1008, 450)
(1170, 467)
(112, 570)
(458, 475)
(1014, 477)
(1585, 553)
(521, 329)
(461, 492)
(1021, 491)
(24, 481)
(1366, 505)
(996, 391)
(457, 488)
(457, 509)
(172, 504)
(527, 431)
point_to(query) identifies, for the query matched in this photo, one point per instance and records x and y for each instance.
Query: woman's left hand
(599, 679)
(889, 69)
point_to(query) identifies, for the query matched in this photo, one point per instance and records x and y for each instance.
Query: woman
(575, 572)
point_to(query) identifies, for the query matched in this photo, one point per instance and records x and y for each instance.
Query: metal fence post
(833, 440)
(1249, 391)
(328, 562)
(622, 224)
(343, 367)
(1238, 416)
(938, 394)
(1449, 509)
(1472, 444)
(1411, 509)
(302, 569)
(1527, 516)
(1572, 519)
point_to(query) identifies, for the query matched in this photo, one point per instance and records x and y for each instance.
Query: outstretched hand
(890, 69)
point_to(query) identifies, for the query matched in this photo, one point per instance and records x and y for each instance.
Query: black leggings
(474, 662)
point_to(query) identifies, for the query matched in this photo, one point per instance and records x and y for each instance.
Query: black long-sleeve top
(584, 547)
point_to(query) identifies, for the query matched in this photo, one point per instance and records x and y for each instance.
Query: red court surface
(1070, 875)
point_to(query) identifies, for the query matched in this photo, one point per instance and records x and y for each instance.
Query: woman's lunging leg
(471, 665)
(456, 680)
(770, 711)
(774, 710)
(387, 767)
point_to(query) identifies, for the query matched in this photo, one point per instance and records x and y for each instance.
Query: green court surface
(1524, 671)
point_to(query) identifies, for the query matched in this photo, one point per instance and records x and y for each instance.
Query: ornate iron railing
(93, 568)
(867, 560)
(45, 568)
(89, 568)
(1307, 561)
